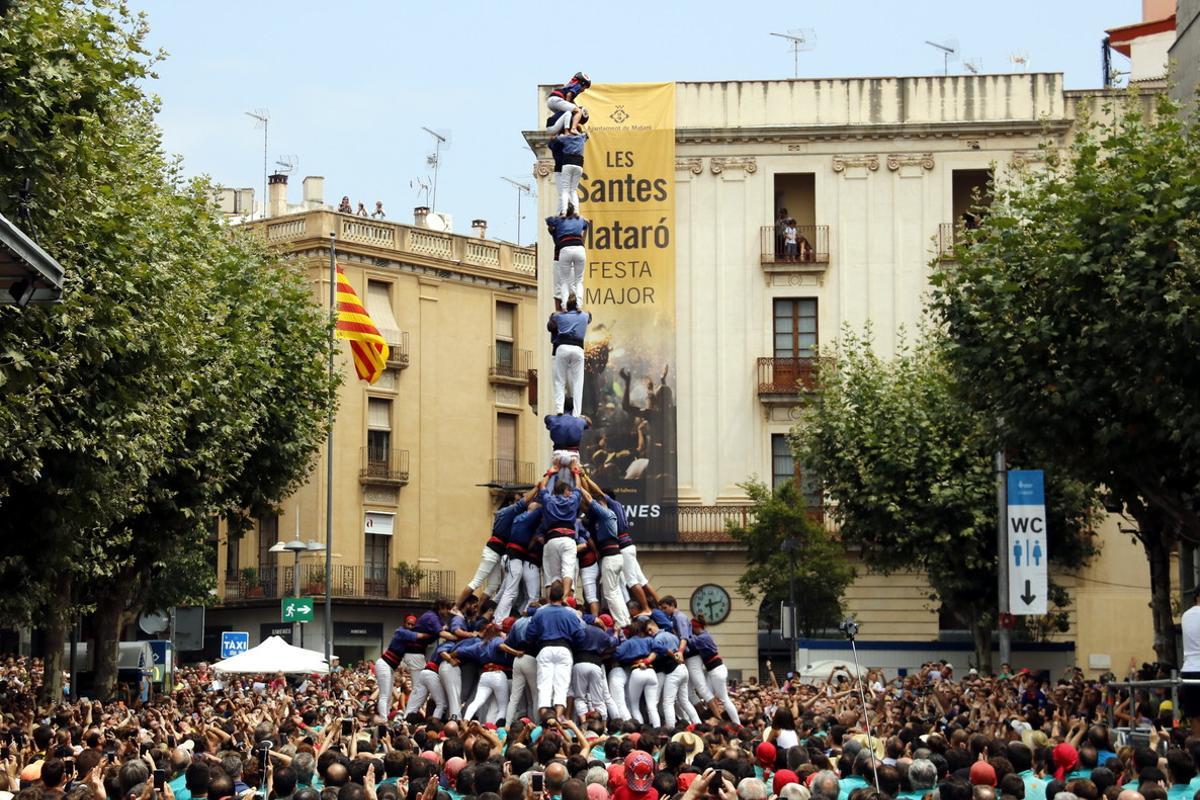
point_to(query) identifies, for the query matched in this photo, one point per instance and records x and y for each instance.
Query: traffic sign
(1027, 551)
(234, 642)
(296, 609)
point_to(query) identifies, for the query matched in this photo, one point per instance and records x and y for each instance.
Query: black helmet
(582, 78)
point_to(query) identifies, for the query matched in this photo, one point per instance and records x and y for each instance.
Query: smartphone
(171, 741)
(4, 752)
(382, 732)
(537, 782)
(160, 779)
(714, 786)
(143, 748)
(110, 753)
(347, 726)
(69, 768)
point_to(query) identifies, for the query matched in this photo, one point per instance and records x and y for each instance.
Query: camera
(849, 628)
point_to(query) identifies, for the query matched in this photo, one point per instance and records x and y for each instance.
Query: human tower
(519, 641)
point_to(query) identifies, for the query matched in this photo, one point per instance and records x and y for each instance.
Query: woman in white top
(782, 731)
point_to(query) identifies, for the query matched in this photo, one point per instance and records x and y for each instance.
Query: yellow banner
(628, 196)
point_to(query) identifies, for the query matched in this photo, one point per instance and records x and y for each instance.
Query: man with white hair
(794, 791)
(922, 776)
(824, 786)
(752, 789)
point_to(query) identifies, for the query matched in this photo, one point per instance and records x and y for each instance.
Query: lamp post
(297, 547)
(789, 547)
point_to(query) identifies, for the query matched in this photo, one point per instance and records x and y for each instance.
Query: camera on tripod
(849, 628)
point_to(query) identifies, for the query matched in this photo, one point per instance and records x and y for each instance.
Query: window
(379, 431)
(506, 314)
(232, 553)
(376, 555)
(795, 328)
(784, 468)
(379, 306)
(506, 448)
(268, 535)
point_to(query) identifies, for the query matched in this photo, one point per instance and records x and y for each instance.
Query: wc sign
(1027, 552)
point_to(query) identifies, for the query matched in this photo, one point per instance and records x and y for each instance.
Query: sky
(348, 85)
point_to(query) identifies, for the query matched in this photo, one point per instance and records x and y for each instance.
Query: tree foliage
(908, 470)
(821, 570)
(1073, 315)
(183, 375)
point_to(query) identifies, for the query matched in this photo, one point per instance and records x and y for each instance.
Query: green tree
(181, 377)
(908, 469)
(1073, 315)
(821, 570)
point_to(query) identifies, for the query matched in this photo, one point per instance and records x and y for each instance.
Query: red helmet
(639, 770)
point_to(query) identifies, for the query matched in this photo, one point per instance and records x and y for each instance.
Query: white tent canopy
(274, 655)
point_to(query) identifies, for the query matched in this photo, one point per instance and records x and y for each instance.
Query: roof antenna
(949, 53)
(800, 40)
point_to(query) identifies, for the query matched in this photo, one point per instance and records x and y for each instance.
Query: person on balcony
(490, 571)
(570, 259)
(362, 210)
(568, 330)
(567, 150)
(565, 114)
(789, 240)
(378, 213)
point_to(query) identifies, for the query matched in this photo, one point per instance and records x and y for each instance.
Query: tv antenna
(973, 65)
(432, 160)
(422, 187)
(523, 189)
(1020, 58)
(949, 50)
(262, 117)
(800, 40)
(286, 165)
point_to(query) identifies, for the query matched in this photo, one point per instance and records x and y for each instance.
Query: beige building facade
(419, 457)
(877, 173)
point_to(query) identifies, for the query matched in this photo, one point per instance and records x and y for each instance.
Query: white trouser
(489, 572)
(590, 577)
(568, 185)
(451, 677)
(559, 559)
(553, 676)
(566, 182)
(563, 108)
(644, 682)
(718, 682)
(568, 377)
(492, 693)
(633, 570)
(612, 578)
(426, 685)
(684, 707)
(673, 684)
(524, 683)
(590, 690)
(698, 679)
(384, 680)
(618, 678)
(568, 274)
(516, 573)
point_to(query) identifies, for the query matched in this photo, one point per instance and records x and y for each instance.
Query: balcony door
(795, 330)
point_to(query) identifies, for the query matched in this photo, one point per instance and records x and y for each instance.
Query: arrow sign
(296, 609)
(1027, 550)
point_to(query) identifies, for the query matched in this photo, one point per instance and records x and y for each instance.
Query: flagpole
(329, 458)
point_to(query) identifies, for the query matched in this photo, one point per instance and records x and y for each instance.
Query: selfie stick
(850, 628)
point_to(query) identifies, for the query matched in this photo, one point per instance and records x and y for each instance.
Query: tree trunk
(109, 615)
(57, 623)
(1158, 546)
(981, 636)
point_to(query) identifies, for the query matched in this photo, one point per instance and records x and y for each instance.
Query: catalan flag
(353, 323)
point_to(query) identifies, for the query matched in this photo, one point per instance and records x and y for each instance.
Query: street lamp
(789, 546)
(297, 546)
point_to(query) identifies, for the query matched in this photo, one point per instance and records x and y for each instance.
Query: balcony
(783, 380)
(508, 473)
(709, 524)
(383, 467)
(348, 582)
(812, 250)
(509, 366)
(397, 348)
(946, 239)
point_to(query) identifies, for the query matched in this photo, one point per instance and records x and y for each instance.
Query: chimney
(276, 195)
(421, 216)
(314, 191)
(481, 226)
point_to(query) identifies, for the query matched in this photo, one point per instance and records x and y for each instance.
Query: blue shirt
(469, 650)
(524, 527)
(567, 231)
(701, 644)
(634, 649)
(179, 787)
(571, 326)
(604, 526)
(596, 641)
(683, 626)
(502, 520)
(560, 510)
(430, 623)
(666, 645)
(848, 784)
(518, 635)
(493, 654)
(1035, 787)
(556, 622)
(566, 430)
(405, 641)
(663, 621)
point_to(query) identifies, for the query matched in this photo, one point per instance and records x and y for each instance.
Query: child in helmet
(564, 112)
